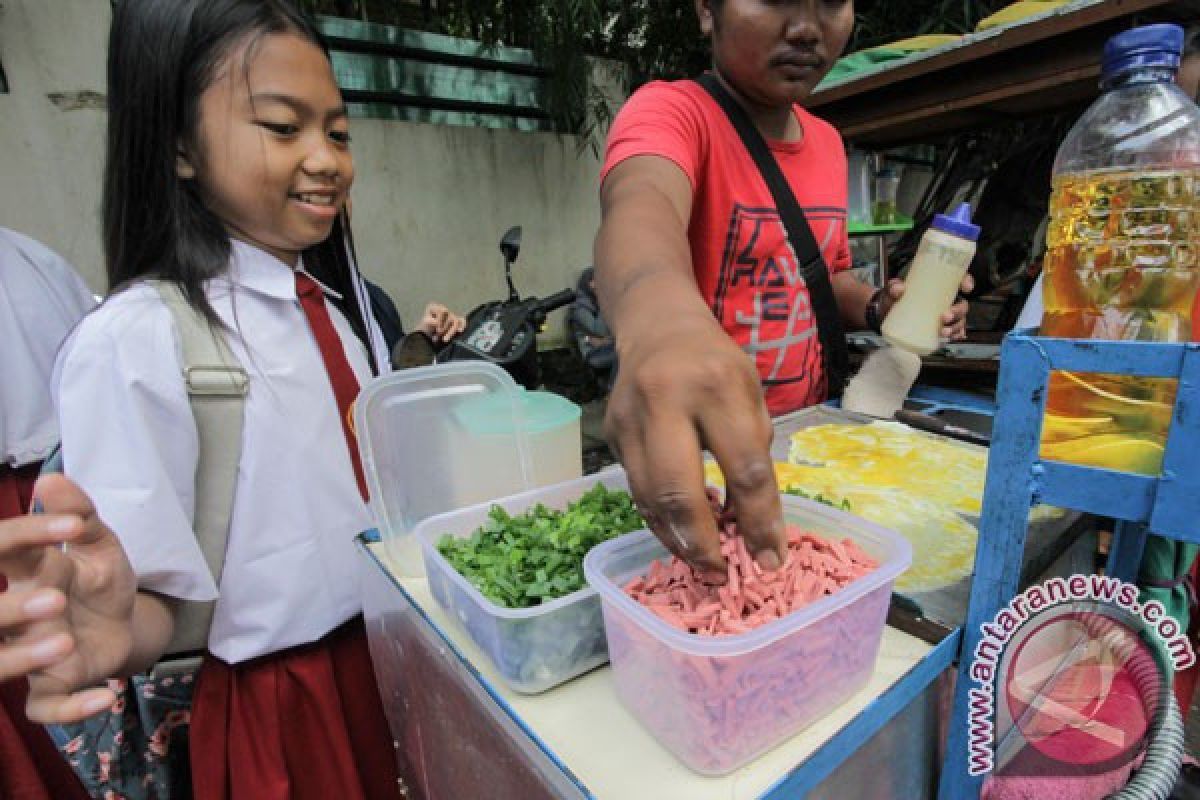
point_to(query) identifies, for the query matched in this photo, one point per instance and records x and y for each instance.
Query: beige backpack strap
(216, 386)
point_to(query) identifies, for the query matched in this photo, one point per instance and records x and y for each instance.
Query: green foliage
(535, 557)
(650, 38)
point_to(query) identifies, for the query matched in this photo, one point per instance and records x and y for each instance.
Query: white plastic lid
(418, 457)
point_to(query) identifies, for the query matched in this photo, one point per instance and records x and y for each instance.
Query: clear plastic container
(887, 184)
(1123, 250)
(421, 460)
(718, 703)
(534, 649)
(551, 424)
(858, 200)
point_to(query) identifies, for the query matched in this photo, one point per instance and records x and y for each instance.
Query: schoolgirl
(228, 169)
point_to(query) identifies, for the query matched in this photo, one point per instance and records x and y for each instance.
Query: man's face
(774, 52)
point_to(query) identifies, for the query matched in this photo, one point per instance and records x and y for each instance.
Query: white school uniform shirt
(41, 299)
(129, 439)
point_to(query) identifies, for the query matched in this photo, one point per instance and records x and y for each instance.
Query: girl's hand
(441, 324)
(954, 319)
(66, 618)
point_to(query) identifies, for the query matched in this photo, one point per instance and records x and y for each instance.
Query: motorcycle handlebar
(556, 301)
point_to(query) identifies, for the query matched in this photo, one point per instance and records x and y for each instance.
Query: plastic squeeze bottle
(942, 259)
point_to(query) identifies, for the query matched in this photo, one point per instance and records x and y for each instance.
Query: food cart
(462, 731)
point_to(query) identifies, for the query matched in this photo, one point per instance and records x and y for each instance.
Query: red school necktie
(341, 376)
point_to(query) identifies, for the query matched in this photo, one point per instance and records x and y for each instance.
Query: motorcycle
(501, 332)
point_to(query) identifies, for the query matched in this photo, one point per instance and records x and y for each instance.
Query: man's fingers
(741, 444)
(673, 491)
(657, 500)
(625, 443)
(63, 709)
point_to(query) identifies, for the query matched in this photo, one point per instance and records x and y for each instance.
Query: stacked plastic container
(718, 703)
(535, 648)
(436, 439)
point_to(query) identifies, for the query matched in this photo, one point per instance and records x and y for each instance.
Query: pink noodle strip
(751, 596)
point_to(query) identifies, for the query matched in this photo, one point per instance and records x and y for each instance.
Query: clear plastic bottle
(887, 185)
(1123, 250)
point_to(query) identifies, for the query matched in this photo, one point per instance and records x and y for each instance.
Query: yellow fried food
(943, 542)
(886, 455)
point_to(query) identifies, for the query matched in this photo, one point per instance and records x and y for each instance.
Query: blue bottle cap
(1147, 46)
(958, 224)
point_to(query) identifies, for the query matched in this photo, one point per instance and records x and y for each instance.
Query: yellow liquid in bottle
(1121, 263)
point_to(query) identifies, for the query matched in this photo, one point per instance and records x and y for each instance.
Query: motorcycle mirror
(510, 245)
(413, 350)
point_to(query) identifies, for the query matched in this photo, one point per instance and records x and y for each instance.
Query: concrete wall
(430, 202)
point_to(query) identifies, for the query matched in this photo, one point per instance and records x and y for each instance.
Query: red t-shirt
(743, 262)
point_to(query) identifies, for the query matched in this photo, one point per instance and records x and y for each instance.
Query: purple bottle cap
(1148, 46)
(958, 224)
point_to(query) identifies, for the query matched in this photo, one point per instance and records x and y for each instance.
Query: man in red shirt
(694, 271)
(743, 265)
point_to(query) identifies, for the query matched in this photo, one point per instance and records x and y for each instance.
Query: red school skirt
(31, 768)
(303, 724)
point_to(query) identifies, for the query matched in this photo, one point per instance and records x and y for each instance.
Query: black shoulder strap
(812, 264)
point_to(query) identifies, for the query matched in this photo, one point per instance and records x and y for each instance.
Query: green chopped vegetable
(843, 504)
(537, 556)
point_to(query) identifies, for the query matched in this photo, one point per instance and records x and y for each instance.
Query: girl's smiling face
(271, 155)
(774, 52)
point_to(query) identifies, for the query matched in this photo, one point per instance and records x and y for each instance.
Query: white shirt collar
(256, 269)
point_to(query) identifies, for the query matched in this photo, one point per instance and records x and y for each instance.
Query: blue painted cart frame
(1168, 504)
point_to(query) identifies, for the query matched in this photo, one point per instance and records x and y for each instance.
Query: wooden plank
(1008, 495)
(978, 104)
(1010, 39)
(1140, 359)
(1123, 495)
(1036, 68)
(1177, 507)
(1129, 541)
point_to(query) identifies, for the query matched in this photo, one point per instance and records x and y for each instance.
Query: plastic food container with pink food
(718, 703)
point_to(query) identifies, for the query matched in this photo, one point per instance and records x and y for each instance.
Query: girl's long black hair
(162, 55)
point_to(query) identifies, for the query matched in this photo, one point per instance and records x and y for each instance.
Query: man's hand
(686, 389)
(954, 319)
(66, 618)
